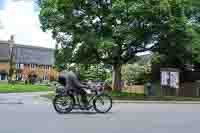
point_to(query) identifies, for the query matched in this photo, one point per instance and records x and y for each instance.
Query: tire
(61, 107)
(101, 98)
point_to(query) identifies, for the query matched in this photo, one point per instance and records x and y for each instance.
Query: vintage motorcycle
(66, 101)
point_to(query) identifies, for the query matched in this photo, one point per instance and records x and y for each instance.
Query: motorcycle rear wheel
(63, 104)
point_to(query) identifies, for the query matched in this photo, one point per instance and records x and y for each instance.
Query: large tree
(114, 31)
(179, 40)
(104, 31)
(196, 34)
(196, 47)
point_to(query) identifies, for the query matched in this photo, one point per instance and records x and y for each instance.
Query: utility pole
(11, 58)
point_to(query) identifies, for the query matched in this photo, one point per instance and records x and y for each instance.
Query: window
(46, 67)
(33, 66)
(3, 77)
(19, 66)
(22, 66)
(18, 76)
(45, 77)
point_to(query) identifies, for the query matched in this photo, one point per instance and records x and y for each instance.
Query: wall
(4, 66)
(39, 70)
(189, 89)
(138, 89)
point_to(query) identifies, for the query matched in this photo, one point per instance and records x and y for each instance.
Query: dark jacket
(71, 80)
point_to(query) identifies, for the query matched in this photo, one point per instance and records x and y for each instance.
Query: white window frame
(45, 77)
(19, 66)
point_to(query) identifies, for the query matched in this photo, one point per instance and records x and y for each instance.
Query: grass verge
(16, 88)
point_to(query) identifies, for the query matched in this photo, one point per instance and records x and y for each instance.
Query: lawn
(16, 88)
(129, 96)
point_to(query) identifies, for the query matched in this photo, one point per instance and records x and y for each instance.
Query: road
(24, 113)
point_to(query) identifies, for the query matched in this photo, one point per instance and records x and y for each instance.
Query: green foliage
(196, 46)
(156, 58)
(105, 30)
(98, 31)
(15, 88)
(136, 73)
(114, 31)
(89, 71)
(90, 32)
(94, 72)
(177, 38)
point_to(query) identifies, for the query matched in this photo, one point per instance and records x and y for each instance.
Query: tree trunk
(116, 77)
(11, 59)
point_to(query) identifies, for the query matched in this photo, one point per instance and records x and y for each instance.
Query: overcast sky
(20, 18)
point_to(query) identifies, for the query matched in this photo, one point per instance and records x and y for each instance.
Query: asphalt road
(23, 113)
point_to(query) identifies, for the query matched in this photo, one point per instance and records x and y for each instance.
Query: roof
(4, 51)
(28, 54)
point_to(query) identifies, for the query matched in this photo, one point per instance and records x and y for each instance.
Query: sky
(20, 18)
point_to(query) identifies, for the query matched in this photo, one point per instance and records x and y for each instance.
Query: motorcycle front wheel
(102, 103)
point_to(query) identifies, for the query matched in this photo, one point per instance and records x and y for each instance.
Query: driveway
(25, 113)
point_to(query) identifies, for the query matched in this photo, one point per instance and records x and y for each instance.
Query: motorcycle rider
(71, 80)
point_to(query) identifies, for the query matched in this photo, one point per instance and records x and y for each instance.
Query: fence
(190, 89)
(137, 89)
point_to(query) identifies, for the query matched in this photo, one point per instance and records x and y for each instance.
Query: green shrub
(136, 73)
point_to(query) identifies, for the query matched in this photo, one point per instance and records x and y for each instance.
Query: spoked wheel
(63, 104)
(103, 103)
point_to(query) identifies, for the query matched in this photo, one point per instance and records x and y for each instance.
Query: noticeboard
(170, 77)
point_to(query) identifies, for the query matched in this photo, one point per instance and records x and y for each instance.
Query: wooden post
(197, 92)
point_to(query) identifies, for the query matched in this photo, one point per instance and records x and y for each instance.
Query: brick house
(27, 60)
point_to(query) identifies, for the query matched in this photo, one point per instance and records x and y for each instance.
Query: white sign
(170, 79)
(164, 78)
(174, 79)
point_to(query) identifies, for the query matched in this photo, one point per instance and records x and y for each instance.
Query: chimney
(11, 41)
(11, 45)
(12, 37)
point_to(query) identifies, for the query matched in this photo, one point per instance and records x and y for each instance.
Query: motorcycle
(67, 100)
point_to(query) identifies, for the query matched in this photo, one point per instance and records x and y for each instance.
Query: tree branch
(129, 57)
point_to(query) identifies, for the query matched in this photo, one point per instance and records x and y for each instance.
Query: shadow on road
(86, 113)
